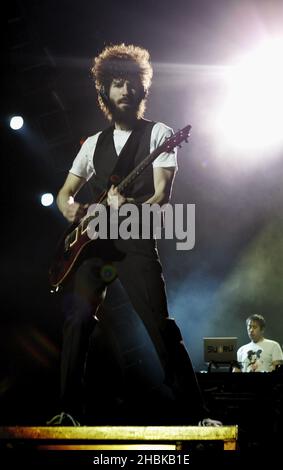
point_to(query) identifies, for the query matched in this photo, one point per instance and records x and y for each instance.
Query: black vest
(106, 162)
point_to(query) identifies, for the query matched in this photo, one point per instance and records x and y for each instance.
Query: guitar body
(67, 255)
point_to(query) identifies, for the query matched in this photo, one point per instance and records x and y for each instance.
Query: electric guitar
(71, 247)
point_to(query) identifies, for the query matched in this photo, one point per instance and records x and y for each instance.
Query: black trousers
(137, 265)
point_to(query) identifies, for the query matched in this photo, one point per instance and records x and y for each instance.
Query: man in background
(261, 354)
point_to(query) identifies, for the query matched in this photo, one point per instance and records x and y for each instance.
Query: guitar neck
(138, 170)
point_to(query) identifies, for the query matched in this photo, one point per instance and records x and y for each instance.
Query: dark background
(235, 268)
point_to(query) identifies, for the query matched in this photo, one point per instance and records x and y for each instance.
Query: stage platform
(114, 437)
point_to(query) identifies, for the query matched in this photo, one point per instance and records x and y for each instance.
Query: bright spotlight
(252, 115)
(16, 123)
(47, 199)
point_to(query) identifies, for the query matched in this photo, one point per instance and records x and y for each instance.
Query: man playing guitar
(123, 76)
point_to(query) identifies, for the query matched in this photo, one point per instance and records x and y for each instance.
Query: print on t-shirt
(253, 359)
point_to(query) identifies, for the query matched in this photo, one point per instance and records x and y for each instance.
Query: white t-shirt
(83, 164)
(258, 357)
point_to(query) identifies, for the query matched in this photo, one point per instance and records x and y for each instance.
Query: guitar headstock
(176, 139)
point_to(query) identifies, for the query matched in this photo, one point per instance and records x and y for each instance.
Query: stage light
(16, 123)
(252, 115)
(47, 199)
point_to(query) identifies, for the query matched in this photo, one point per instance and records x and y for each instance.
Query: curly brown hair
(121, 61)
